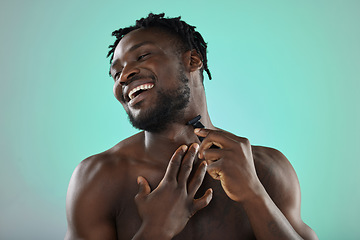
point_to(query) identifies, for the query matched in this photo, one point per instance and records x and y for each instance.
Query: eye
(142, 56)
(117, 75)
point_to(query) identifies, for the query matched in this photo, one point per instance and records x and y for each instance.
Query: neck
(175, 135)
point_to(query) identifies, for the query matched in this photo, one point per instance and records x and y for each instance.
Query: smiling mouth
(139, 89)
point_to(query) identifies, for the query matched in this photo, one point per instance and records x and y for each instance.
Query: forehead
(139, 37)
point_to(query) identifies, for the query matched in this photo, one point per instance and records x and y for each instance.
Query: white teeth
(141, 87)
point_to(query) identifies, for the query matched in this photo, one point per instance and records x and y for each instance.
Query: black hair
(190, 38)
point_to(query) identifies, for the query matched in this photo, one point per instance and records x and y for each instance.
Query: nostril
(128, 79)
(131, 75)
(127, 75)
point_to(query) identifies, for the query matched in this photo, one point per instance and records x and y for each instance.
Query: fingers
(180, 164)
(222, 139)
(197, 179)
(215, 170)
(212, 155)
(203, 201)
(211, 138)
(203, 132)
(187, 164)
(174, 164)
(144, 188)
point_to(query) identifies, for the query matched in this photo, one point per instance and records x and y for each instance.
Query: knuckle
(214, 133)
(219, 133)
(245, 141)
(168, 183)
(242, 143)
(207, 153)
(175, 163)
(191, 154)
(186, 167)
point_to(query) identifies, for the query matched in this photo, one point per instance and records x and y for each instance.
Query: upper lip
(135, 83)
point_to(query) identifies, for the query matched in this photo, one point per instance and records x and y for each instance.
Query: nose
(127, 73)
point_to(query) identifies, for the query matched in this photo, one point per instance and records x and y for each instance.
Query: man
(164, 183)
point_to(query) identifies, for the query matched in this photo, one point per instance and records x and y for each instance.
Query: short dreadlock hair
(189, 37)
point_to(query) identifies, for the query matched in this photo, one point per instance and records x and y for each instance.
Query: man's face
(150, 80)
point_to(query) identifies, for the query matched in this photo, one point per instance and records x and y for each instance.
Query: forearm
(266, 219)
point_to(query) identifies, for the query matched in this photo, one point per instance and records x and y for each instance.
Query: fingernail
(196, 146)
(184, 148)
(138, 180)
(197, 130)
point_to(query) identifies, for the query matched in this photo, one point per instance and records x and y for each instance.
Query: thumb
(202, 132)
(144, 188)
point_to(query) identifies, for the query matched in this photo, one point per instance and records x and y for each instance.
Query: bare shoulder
(95, 192)
(271, 162)
(281, 183)
(276, 174)
(104, 167)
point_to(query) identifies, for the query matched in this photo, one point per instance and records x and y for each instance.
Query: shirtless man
(164, 183)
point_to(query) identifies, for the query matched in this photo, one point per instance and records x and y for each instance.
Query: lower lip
(139, 98)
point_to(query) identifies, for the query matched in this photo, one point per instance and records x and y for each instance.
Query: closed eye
(117, 75)
(142, 56)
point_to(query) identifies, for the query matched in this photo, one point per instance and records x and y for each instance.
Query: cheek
(117, 90)
(168, 73)
(163, 66)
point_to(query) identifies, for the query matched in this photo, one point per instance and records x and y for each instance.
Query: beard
(169, 108)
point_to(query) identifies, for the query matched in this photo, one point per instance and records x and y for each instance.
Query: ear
(192, 60)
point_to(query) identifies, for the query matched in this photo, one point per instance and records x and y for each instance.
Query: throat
(173, 137)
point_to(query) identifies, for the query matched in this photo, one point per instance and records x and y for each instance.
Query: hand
(166, 210)
(232, 163)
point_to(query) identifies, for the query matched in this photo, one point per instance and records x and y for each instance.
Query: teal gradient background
(285, 75)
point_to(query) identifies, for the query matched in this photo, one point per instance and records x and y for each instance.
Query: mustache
(138, 77)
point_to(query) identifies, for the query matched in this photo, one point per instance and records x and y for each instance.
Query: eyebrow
(133, 48)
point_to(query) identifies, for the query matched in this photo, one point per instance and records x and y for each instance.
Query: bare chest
(221, 219)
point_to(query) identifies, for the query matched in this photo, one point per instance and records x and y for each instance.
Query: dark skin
(169, 185)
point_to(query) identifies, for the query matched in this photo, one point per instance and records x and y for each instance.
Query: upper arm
(280, 181)
(88, 204)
